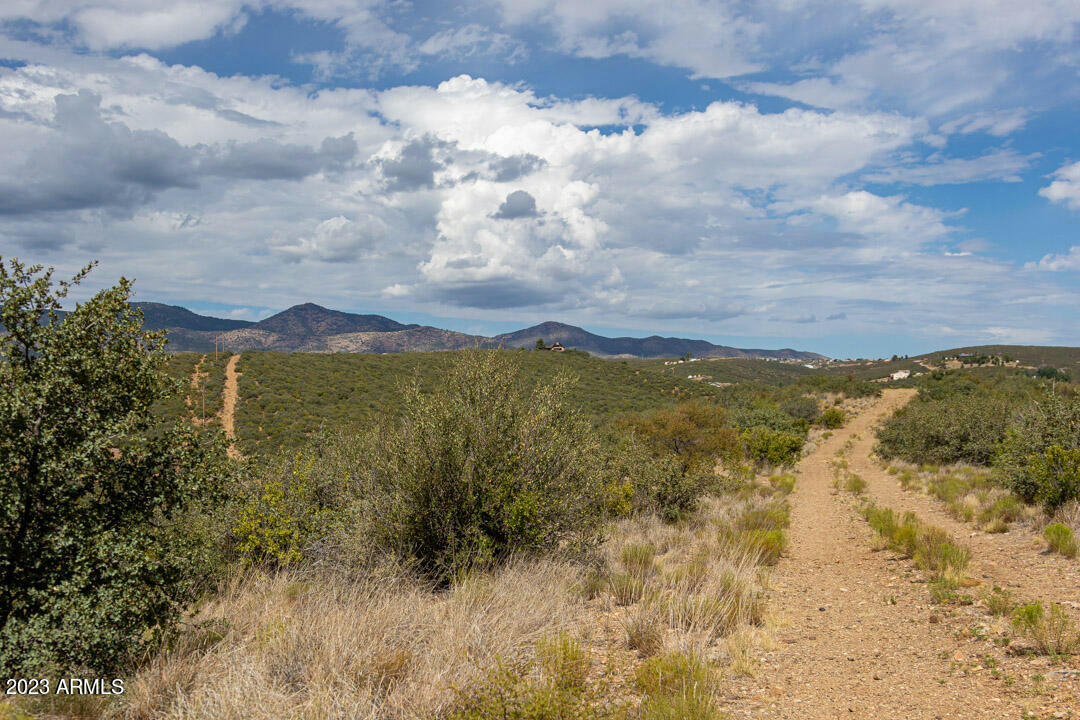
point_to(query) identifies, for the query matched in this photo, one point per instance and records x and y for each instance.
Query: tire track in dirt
(230, 394)
(198, 378)
(193, 386)
(858, 636)
(1016, 560)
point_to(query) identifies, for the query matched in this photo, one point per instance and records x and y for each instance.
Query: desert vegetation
(992, 448)
(930, 548)
(455, 557)
(513, 547)
(286, 398)
(474, 534)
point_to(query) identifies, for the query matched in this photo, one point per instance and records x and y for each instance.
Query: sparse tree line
(114, 525)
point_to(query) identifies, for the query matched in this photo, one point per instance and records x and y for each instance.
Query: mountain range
(312, 328)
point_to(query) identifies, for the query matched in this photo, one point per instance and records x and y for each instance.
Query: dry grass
(644, 629)
(970, 494)
(1069, 515)
(382, 645)
(932, 549)
(1061, 539)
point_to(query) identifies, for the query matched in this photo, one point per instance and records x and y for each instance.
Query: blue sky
(858, 178)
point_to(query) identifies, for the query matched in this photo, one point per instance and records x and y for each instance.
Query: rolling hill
(1033, 355)
(653, 346)
(157, 316)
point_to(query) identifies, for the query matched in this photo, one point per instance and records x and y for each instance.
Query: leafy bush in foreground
(477, 470)
(95, 547)
(297, 498)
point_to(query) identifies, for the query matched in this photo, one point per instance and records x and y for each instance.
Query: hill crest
(311, 319)
(653, 346)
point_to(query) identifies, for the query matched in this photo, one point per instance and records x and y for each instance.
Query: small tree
(540, 344)
(92, 550)
(480, 470)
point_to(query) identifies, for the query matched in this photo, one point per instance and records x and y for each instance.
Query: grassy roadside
(652, 626)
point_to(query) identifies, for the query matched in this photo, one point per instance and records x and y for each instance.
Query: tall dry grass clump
(383, 646)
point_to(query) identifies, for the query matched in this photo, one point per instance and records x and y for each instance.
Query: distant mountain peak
(309, 327)
(310, 319)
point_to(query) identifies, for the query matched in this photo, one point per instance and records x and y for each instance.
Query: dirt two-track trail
(228, 404)
(858, 636)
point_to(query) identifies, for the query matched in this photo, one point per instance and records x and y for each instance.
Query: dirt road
(228, 404)
(859, 637)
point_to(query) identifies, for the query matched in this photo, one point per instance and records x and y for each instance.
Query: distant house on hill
(900, 375)
(556, 347)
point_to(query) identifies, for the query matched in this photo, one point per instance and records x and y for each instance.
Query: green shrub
(554, 686)
(802, 407)
(833, 418)
(296, 499)
(772, 448)
(1053, 633)
(962, 428)
(478, 470)
(695, 433)
(677, 686)
(943, 591)
(930, 547)
(1049, 372)
(669, 455)
(675, 674)
(999, 601)
(1060, 539)
(101, 545)
(854, 483)
(768, 415)
(767, 545)
(1006, 509)
(782, 484)
(1040, 455)
(650, 482)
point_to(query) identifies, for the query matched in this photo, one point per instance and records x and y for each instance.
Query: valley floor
(859, 636)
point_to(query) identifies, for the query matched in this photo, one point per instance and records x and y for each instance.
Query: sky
(855, 177)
